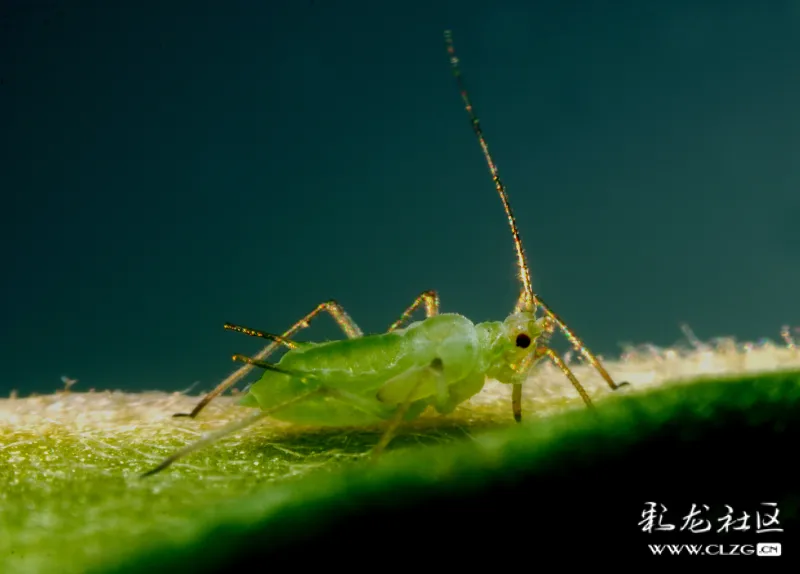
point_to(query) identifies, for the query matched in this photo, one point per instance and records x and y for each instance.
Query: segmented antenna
(527, 297)
(528, 300)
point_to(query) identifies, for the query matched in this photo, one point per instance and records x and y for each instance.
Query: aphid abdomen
(365, 379)
(354, 365)
(347, 373)
(331, 407)
(450, 344)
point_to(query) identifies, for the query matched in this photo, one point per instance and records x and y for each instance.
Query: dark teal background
(169, 166)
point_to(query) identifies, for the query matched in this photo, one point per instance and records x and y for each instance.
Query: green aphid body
(439, 362)
(447, 357)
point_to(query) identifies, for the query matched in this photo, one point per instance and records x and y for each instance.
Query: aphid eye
(523, 341)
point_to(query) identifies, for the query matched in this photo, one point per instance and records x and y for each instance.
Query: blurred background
(169, 166)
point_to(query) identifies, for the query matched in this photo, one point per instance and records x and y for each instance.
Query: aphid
(438, 362)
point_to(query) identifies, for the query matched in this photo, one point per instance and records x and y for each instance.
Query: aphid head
(510, 363)
(514, 347)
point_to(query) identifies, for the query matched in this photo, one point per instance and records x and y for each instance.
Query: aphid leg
(230, 429)
(549, 327)
(357, 401)
(542, 350)
(553, 356)
(580, 347)
(331, 307)
(431, 301)
(516, 401)
(435, 368)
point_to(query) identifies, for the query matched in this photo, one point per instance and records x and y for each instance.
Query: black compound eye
(523, 341)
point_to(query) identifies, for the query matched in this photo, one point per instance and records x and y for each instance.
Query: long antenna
(528, 300)
(527, 297)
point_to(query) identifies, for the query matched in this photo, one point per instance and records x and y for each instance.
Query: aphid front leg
(580, 346)
(542, 350)
(331, 307)
(553, 356)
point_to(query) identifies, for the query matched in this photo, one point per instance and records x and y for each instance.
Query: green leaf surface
(72, 499)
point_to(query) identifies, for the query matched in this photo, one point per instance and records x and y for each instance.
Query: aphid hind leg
(331, 307)
(231, 428)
